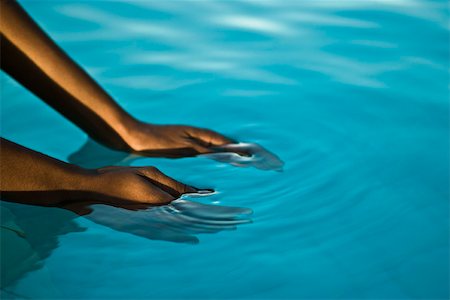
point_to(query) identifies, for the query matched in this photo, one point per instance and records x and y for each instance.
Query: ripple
(352, 95)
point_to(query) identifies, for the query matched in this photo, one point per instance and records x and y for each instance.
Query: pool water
(353, 96)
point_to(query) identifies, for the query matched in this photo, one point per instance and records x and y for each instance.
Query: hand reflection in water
(180, 221)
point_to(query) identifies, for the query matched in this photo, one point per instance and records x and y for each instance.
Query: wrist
(138, 134)
(127, 133)
(117, 132)
(78, 182)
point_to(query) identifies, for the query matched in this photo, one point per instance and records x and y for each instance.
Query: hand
(33, 178)
(137, 187)
(173, 140)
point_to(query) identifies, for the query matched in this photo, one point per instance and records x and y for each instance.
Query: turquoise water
(352, 95)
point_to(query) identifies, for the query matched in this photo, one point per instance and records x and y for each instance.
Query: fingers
(208, 138)
(164, 182)
(154, 196)
(203, 140)
(199, 148)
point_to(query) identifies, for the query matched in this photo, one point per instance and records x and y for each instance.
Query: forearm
(33, 59)
(31, 177)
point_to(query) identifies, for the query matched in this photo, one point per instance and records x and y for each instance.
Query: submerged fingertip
(205, 191)
(248, 211)
(192, 241)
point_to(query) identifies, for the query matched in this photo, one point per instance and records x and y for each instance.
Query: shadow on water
(94, 155)
(31, 233)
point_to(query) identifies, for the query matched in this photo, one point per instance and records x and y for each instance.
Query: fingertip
(205, 191)
(192, 241)
(189, 189)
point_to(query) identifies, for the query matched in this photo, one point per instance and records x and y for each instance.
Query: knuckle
(181, 187)
(151, 170)
(184, 188)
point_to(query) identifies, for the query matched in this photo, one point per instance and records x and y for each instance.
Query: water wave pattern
(351, 95)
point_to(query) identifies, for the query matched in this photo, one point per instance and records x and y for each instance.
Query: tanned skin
(33, 59)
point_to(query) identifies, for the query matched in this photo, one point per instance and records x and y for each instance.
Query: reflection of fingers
(193, 228)
(189, 225)
(186, 239)
(170, 185)
(168, 236)
(205, 211)
(214, 222)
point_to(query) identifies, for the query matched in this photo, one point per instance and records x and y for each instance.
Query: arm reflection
(31, 233)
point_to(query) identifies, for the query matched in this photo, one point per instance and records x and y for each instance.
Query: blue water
(352, 95)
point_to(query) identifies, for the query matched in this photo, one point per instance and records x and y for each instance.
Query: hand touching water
(137, 185)
(34, 178)
(173, 140)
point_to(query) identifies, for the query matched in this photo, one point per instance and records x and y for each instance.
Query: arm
(34, 60)
(33, 178)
